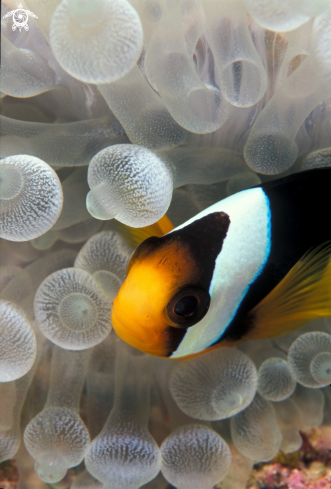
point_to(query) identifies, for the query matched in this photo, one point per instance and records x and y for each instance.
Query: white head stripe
(244, 253)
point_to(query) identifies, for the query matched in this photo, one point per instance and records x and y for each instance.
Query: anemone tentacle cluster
(118, 110)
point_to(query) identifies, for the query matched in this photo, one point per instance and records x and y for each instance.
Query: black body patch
(300, 206)
(204, 238)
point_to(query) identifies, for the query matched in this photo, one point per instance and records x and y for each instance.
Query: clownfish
(254, 265)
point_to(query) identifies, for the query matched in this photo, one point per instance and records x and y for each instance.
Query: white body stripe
(244, 253)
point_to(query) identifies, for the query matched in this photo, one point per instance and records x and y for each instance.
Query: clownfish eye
(187, 307)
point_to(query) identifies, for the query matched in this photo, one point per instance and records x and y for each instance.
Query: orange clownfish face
(167, 286)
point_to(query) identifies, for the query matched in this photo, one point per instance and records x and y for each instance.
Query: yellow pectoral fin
(303, 294)
(135, 236)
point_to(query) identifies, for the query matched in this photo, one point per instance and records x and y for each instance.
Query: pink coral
(296, 480)
(309, 468)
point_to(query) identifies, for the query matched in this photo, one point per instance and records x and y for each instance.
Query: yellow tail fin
(302, 295)
(135, 236)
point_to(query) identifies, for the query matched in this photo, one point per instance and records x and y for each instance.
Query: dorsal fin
(135, 236)
(303, 294)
